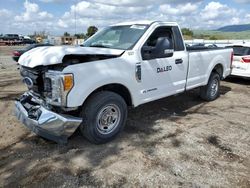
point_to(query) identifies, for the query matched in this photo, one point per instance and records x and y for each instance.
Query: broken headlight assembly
(57, 86)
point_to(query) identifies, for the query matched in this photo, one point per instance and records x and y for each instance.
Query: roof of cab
(146, 22)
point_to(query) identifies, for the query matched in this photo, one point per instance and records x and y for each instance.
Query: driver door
(162, 76)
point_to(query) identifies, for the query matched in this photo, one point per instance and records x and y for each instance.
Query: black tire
(97, 112)
(211, 91)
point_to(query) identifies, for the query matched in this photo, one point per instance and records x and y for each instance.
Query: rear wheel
(211, 91)
(104, 116)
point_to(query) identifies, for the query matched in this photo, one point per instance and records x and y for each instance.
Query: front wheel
(211, 91)
(104, 116)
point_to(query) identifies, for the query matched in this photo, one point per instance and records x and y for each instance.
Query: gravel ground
(179, 141)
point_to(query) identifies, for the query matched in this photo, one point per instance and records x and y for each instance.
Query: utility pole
(75, 19)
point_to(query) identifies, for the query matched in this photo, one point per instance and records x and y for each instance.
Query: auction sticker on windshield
(142, 27)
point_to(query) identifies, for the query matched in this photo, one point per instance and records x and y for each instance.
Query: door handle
(178, 61)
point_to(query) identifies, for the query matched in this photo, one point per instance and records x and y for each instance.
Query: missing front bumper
(43, 122)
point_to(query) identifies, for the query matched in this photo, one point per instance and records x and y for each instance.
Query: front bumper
(43, 122)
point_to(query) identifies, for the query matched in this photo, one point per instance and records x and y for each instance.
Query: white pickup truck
(128, 64)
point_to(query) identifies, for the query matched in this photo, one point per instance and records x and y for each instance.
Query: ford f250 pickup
(91, 86)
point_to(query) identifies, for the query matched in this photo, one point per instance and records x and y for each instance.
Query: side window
(160, 44)
(158, 33)
(178, 41)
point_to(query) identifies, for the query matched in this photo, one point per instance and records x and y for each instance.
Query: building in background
(63, 40)
(68, 40)
(54, 40)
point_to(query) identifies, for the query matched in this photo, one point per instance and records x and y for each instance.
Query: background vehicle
(127, 64)
(204, 45)
(18, 53)
(241, 60)
(28, 41)
(11, 37)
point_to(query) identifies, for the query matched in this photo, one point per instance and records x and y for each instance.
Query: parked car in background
(208, 45)
(28, 41)
(11, 37)
(18, 53)
(211, 45)
(241, 60)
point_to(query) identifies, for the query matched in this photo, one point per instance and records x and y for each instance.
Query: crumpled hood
(51, 55)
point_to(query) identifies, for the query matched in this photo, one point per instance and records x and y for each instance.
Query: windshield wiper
(99, 46)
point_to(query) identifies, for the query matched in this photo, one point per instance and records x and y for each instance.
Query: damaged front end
(48, 84)
(44, 122)
(43, 108)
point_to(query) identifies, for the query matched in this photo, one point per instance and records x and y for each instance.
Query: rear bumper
(241, 73)
(43, 122)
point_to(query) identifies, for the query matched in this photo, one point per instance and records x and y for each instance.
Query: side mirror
(162, 49)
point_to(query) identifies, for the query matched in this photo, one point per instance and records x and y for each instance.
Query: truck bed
(201, 60)
(202, 48)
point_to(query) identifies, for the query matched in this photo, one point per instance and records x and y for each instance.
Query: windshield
(117, 37)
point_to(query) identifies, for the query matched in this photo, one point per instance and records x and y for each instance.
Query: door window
(160, 32)
(160, 44)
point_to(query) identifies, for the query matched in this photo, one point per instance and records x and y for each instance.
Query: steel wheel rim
(214, 87)
(108, 119)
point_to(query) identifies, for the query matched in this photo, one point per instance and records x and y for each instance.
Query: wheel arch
(117, 88)
(218, 68)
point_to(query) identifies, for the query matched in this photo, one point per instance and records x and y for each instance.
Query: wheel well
(218, 69)
(116, 88)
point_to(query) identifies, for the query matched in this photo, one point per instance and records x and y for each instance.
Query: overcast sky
(58, 16)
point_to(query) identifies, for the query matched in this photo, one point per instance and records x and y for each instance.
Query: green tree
(66, 34)
(42, 34)
(188, 32)
(80, 36)
(91, 31)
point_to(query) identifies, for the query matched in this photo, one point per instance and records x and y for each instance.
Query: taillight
(16, 53)
(232, 58)
(245, 60)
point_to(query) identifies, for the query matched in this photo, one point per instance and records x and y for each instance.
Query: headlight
(57, 86)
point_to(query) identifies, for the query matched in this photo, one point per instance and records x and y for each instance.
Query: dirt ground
(179, 141)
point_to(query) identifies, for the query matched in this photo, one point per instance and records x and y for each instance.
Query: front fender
(90, 76)
(79, 95)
